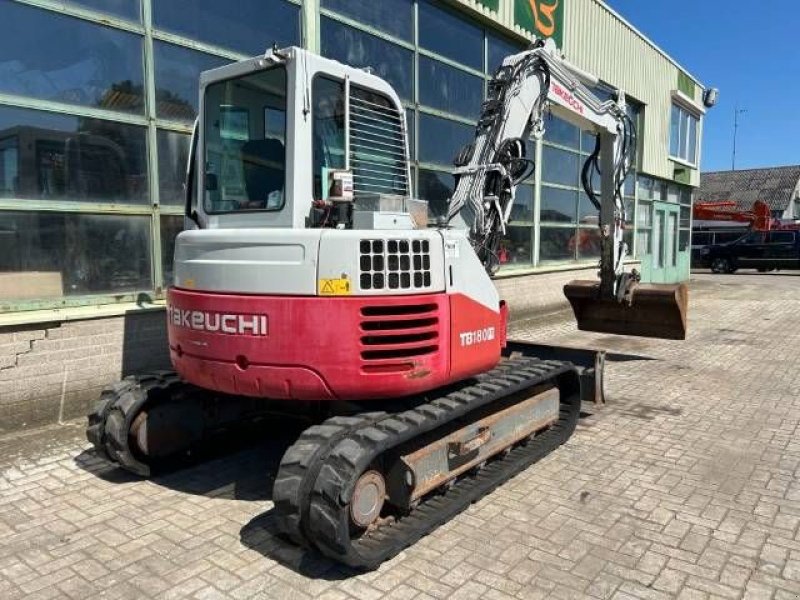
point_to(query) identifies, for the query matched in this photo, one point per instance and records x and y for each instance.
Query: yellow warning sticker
(334, 287)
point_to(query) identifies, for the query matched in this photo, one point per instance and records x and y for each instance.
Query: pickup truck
(762, 250)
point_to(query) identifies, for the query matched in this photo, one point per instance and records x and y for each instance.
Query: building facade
(97, 99)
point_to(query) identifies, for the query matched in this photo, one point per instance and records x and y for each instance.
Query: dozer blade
(656, 310)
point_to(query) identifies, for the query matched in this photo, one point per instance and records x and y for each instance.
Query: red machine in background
(759, 217)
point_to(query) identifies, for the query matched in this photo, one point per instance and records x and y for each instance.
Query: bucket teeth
(655, 310)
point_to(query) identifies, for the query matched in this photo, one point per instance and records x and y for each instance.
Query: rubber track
(299, 468)
(111, 419)
(328, 519)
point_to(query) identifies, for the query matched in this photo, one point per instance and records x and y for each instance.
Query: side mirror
(211, 182)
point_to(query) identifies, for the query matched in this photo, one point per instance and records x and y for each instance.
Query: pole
(736, 114)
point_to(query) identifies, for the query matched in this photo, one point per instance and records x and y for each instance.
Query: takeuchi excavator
(309, 279)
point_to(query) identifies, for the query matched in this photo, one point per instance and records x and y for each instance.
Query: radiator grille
(391, 333)
(377, 145)
(395, 264)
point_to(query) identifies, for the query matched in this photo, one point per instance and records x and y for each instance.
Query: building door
(664, 244)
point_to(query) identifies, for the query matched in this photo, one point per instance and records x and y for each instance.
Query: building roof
(774, 186)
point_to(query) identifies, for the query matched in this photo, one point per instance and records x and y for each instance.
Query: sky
(748, 49)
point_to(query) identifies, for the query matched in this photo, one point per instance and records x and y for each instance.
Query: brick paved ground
(683, 486)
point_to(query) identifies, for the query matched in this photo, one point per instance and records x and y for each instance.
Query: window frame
(285, 125)
(688, 122)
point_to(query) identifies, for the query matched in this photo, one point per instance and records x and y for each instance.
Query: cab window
(328, 130)
(245, 143)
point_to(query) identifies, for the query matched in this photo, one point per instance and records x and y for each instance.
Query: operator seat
(264, 171)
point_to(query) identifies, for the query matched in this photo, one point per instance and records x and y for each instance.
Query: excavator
(310, 280)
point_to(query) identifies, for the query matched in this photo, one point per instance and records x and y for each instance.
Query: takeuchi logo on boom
(544, 18)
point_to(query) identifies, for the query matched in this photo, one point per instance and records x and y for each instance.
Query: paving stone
(682, 486)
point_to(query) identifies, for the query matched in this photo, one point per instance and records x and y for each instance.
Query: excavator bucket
(656, 310)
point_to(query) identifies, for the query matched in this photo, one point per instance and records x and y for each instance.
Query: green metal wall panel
(686, 84)
(600, 42)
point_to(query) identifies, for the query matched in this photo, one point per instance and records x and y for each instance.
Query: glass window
(353, 47)
(558, 205)
(395, 17)
(444, 33)
(449, 89)
(557, 244)
(675, 131)
(435, 187)
(723, 237)
(672, 194)
(756, 237)
(692, 141)
(701, 238)
(558, 131)
(587, 243)
(560, 166)
(515, 247)
(686, 217)
(498, 50)
(9, 166)
(173, 153)
(55, 157)
(627, 237)
(251, 28)
(177, 73)
(645, 187)
(642, 242)
(171, 226)
(630, 211)
(659, 191)
(523, 204)
(588, 142)
(54, 255)
(328, 130)
(411, 132)
(245, 151)
(441, 139)
(588, 214)
(629, 189)
(683, 134)
(604, 92)
(683, 240)
(127, 9)
(781, 237)
(645, 214)
(54, 57)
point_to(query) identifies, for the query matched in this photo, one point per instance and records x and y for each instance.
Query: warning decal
(334, 287)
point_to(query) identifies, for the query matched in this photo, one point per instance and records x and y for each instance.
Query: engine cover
(329, 348)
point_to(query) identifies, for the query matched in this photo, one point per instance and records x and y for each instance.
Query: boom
(490, 168)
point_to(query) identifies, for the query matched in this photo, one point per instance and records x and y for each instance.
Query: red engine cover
(327, 348)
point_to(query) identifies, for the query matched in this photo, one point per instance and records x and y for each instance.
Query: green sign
(491, 4)
(543, 18)
(686, 85)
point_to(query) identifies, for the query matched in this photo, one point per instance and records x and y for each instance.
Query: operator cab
(294, 140)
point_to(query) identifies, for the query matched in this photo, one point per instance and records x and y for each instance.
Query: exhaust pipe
(655, 310)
